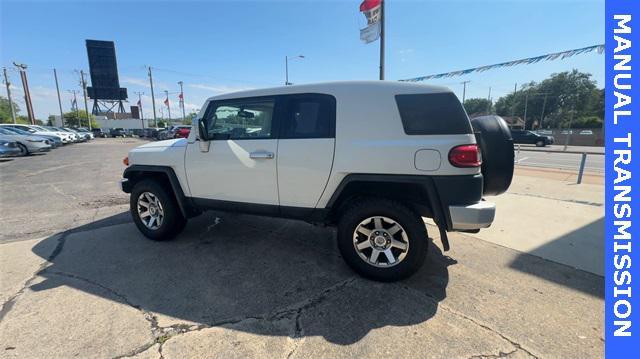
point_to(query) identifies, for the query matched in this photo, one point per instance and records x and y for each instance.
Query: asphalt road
(563, 161)
(78, 280)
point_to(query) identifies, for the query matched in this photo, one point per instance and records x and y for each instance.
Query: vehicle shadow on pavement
(233, 270)
(581, 248)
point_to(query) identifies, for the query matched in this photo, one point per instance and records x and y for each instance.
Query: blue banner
(622, 307)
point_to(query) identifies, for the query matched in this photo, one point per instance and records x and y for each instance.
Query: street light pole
(140, 107)
(6, 82)
(382, 21)
(286, 68)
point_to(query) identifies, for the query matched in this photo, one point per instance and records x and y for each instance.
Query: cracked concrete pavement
(243, 286)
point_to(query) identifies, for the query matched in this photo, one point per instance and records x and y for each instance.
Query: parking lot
(78, 279)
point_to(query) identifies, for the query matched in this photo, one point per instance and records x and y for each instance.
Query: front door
(240, 164)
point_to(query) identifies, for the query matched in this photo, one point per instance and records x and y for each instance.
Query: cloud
(405, 54)
(219, 88)
(134, 81)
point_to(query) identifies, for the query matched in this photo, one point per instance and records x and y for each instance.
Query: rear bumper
(473, 216)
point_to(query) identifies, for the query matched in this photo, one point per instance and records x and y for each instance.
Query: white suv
(371, 157)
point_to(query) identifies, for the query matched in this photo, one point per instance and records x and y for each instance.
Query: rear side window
(432, 114)
(308, 116)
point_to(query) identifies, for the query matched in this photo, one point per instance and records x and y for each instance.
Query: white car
(62, 134)
(39, 131)
(370, 157)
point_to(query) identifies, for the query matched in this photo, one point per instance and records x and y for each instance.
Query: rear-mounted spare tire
(496, 145)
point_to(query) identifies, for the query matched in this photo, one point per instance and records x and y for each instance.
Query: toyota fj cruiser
(372, 158)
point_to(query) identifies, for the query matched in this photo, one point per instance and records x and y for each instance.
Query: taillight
(125, 161)
(465, 156)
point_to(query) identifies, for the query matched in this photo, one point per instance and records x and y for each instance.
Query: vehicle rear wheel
(540, 144)
(155, 211)
(23, 150)
(382, 239)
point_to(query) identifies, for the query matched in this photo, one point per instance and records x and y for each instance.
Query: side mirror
(202, 130)
(203, 136)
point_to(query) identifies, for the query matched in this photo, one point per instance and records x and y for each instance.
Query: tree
(561, 96)
(79, 119)
(188, 120)
(478, 106)
(5, 110)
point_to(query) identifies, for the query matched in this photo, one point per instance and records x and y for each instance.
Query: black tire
(23, 150)
(540, 144)
(410, 222)
(173, 222)
(494, 137)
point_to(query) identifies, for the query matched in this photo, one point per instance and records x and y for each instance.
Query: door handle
(261, 155)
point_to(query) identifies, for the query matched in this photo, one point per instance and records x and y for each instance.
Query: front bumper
(473, 216)
(125, 185)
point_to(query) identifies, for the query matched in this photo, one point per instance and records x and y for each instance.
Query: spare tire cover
(494, 137)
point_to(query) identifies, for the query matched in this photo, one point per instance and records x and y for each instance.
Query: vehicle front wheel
(155, 211)
(382, 239)
(540, 144)
(23, 150)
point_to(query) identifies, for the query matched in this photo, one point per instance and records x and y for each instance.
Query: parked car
(182, 132)
(54, 140)
(27, 144)
(86, 133)
(98, 132)
(117, 132)
(163, 134)
(586, 132)
(545, 132)
(531, 138)
(71, 138)
(371, 157)
(39, 131)
(149, 133)
(8, 148)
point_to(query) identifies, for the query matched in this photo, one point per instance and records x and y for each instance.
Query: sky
(222, 46)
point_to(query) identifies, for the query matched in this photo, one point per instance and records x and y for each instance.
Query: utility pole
(526, 102)
(464, 90)
(168, 106)
(6, 82)
(382, 20)
(513, 106)
(55, 76)
(182, 99)
(544, 104)
(153, 100)
(84, 92)
(27, 93)
(573, 106)
(489, 103)
(140, 107)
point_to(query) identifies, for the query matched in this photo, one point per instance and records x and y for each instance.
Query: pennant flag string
(531, 60)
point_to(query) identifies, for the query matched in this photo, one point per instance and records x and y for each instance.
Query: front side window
(240, 119)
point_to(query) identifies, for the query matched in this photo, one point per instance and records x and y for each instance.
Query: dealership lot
(78, 279)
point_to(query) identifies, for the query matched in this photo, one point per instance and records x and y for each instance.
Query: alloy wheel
(381, 242)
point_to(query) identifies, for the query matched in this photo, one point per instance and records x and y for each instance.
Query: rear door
(305, 148)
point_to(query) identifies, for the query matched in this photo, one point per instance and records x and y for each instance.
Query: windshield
(16, 131)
